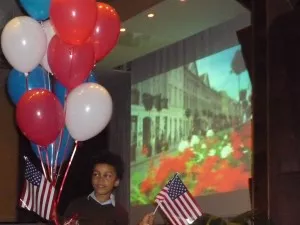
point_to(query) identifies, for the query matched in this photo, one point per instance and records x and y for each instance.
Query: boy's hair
(112, 160)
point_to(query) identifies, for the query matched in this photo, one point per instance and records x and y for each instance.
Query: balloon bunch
(52, 52)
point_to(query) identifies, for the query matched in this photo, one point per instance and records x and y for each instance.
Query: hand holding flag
(148, 219)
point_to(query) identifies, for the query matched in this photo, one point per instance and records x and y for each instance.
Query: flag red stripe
(49, 200)
(195, 202)
(23, 195)
(174, 208)
(170, 213)
(45, 190)
(30, 197)
(182, 208)
(188, 208)
(27, 199)
(185, 210)
(38, 199)
(177, 203)
(44, 197)
(41, 191)
(178, 214)
(192, 204)
(35, 199)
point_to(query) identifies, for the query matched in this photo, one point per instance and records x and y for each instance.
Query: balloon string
(66, 173)
(64, 156)
(48, 165)
(43, 167)
(51, 163)
(26, 81)
(49, 82)
(57, 148)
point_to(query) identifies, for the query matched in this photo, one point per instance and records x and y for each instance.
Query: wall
(118, 85)
(8, 157)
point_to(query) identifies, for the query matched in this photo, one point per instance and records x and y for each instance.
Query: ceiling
(174, 20)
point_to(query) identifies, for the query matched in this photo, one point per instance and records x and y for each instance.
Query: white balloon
(50, 32)
(88, 111)
(23, 43)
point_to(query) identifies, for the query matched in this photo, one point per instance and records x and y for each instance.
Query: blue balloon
(61, 92)
(66, 143)
(37, 9)
(92, 78)
(18, 83)
(63, 148)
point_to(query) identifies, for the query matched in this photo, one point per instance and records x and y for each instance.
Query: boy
(100, 207)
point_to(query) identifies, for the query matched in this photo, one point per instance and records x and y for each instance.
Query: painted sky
(218, 68)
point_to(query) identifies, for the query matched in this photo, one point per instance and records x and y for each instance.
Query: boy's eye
(107, 176)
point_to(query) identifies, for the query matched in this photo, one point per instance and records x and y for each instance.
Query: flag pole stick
(155, 209)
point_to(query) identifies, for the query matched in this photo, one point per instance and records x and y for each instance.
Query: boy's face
(104, 179)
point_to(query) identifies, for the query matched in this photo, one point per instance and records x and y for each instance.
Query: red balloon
(70, 64)
(40, 116)
(74, 20)
(107, 30)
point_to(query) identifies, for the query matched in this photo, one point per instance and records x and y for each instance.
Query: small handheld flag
(38, 193)
(177, 203)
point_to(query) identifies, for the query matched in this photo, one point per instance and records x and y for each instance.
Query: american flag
(38, 193)
(177, 203)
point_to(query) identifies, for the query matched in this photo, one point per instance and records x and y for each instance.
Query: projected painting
(195, 120)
